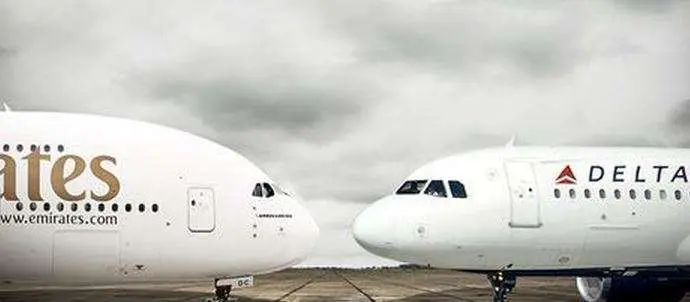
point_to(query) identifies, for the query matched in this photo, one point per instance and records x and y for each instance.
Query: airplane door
(201, 210)
(524, 205)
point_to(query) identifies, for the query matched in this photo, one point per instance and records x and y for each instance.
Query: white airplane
(618, 219)
(90, 198)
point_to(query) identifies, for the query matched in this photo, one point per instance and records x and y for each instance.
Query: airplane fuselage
(93, 198)
(549, 210)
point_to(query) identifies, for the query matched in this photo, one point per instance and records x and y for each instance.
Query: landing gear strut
(502, 283)
(222, 291)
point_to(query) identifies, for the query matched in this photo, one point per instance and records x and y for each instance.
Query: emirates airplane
(91, 198)
(618, 219)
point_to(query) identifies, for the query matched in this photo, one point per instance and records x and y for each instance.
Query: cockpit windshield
(436, 188)
(257, 192)
(457, 189)
(264, 190)
(268, 190)
(411, 187)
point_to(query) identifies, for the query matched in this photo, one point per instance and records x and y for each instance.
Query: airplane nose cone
(373, 231)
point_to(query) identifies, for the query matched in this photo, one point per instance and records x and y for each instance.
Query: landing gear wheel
(502, 283)
(222, 292)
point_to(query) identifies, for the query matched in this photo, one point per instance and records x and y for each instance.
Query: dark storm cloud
(455, 37)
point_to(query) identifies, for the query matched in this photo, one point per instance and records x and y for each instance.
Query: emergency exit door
(524, 200)
(201, 210)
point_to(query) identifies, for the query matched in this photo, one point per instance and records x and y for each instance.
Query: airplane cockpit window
(257, 191)
(457, 189)
(269, 192)
(436, 188)
(411, 187)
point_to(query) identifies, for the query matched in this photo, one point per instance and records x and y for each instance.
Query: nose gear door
(524, 200)
(201, 210)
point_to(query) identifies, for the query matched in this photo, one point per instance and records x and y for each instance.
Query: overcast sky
(340, 100)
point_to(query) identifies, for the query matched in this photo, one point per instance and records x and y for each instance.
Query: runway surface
(309, 285)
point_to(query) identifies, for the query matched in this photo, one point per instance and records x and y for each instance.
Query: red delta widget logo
(627, 173)
(566, 177)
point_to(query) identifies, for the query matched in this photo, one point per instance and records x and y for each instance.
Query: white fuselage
(112, 199)
(525, 211)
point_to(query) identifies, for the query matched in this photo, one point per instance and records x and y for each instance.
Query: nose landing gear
(224, 286)
(502, 283)
(222, 292)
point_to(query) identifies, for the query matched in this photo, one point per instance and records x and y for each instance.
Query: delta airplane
(618, 219)
(91, 198)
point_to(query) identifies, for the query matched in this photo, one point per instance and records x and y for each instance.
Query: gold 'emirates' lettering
(106, 177)
(9, 190)
(34, 160)
(59, 181)
(60, 176)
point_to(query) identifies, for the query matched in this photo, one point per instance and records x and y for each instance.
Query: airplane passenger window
(46, 148)
(678, 195)
(411, 187)
(142, 207)
(662, 194)
(46, 207)
(602, 193)
(6, 148)
(436, 188)
(588, 194)
(557, 193)
(633, 194)
(617, 193)
(87, 207)
(114, 207)
(154, 208)
(19, 206)
(647, 194)
(20, 148)
(60, 207)
(128, 207)
(32, 206)
(257, 191)
(269, 191)
(571, 192)
(74, 207)
(457, 189)
(101, 207)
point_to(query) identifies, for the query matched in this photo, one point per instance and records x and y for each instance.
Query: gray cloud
(680, 116)
(679, 124)
(5, 51)
(456, 37)
(659, 6)
(293, 106)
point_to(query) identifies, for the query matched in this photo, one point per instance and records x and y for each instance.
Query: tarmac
(309, 285)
